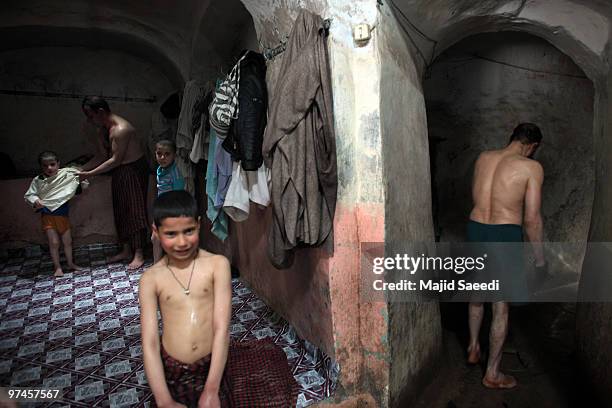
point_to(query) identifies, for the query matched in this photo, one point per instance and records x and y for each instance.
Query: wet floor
(539, 352)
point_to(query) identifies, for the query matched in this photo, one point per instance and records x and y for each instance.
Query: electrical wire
(426, 60)
(475, 56)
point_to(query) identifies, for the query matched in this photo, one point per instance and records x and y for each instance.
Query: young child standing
(193, 290)
(169, 178)
(49, 194)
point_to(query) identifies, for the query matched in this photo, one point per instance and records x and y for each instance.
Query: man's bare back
(187, 319)
(122, 133)
(500, 186)
(506, 189)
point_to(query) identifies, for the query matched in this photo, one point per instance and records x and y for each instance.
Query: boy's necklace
(185, 289)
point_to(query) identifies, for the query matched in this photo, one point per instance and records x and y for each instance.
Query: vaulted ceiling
(160, 31)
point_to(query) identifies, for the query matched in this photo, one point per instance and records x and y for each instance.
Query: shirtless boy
(120, 150)
(507, 195)
(192, 289)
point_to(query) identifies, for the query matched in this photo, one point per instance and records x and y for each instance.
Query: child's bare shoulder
(151, 274)
(215, 261)
(209, 257)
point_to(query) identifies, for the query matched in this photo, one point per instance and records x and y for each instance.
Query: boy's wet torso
(187, 331)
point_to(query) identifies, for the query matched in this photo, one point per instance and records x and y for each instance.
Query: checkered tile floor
(81, 333)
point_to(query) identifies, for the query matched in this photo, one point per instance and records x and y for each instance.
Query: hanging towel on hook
(300, 144)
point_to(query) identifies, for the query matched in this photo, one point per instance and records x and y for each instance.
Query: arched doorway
(476, 92)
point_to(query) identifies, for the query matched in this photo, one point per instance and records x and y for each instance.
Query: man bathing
(119, 150)
(507, 195)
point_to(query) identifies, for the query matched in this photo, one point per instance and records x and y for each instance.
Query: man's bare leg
(54, 245)
(138, 260)
(475, 313)
(137, 241)
(67, 241)
(494, 378)
(124, 255)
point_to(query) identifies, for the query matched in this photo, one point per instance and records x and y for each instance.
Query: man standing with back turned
(119, 150)
(507, 194)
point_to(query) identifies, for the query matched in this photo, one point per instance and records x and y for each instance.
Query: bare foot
(502, 381)
(121, 256)
(58, 272)
(473, 355)
(137, 262)
(75, 267)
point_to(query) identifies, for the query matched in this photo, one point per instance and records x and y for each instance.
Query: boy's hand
(209, 400)
(83, 175)
(38, 205)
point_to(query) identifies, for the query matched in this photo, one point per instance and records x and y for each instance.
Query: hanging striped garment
(224, 106)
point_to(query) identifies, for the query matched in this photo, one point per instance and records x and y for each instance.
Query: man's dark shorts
(503, 245)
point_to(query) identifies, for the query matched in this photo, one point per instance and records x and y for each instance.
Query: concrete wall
(593, 320)
(414, 329)
(360, 329)
(473, 104)
(91, 215)
(30, 124)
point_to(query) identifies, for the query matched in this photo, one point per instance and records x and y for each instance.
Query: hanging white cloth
(246, 186)
(56, 190)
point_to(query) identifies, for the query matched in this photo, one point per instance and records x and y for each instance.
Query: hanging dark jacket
(245, 136)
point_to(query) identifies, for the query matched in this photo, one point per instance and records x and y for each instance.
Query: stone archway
(404, 51)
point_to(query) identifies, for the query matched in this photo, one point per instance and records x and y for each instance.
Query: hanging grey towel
(300, 146)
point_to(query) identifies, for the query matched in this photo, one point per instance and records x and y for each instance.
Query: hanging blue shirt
(169, 179)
